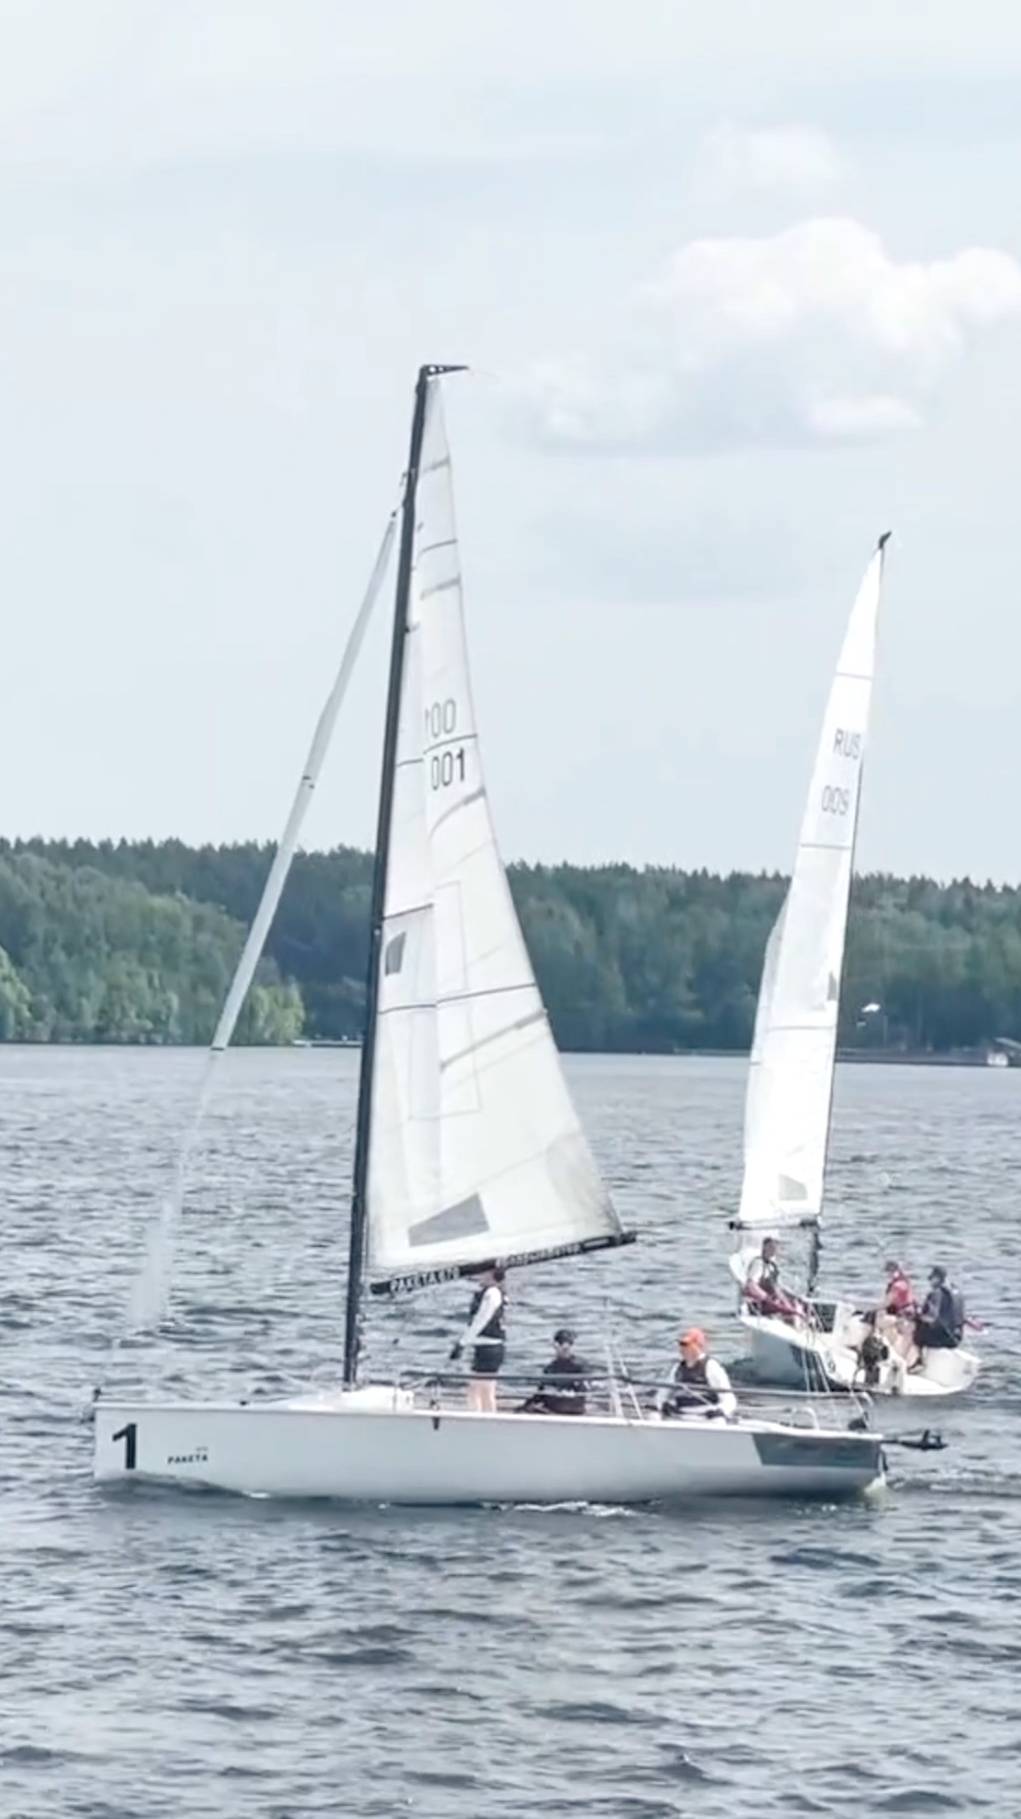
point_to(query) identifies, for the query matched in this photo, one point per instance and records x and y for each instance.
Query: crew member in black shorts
(485, 1334)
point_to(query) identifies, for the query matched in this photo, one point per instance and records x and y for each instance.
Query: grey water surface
(193, 1654)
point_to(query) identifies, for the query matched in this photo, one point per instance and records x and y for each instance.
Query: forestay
(787, 1107)
(475, 1150)
(150, 1291)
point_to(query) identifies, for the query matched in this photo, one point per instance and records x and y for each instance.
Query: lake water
(166, 1655)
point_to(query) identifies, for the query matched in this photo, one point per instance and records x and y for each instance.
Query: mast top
(436, 372)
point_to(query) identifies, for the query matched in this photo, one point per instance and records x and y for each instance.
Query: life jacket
(563, 1387)
(492, 1333)
(690, 1387)
(952, 1313)
(768, 1275)
(899, 1295)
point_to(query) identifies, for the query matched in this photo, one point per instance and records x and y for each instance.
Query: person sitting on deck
(698, 1383)
(899, 1296)
(941, 1320)
(895, 1320)
(762, 1288)
(562, 1386)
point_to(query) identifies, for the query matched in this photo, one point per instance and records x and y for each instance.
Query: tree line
(135, 941)
(91, 957)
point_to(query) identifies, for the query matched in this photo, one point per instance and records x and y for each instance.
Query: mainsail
(475, 1150)
(787, 1107)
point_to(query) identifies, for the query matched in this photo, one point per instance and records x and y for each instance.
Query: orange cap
(693, 1336)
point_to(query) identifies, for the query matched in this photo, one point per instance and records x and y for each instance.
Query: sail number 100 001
(446, 766)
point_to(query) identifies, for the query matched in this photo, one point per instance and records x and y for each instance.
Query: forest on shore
(136, 940)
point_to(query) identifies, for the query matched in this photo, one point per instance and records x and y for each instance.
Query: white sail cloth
(787, 1107)
(475, 1149)
(150, 1291)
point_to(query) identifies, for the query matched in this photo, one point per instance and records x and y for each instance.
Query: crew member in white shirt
(698, 1383)
(485, 1334)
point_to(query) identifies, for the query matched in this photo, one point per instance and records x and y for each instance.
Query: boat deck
(627, 1399)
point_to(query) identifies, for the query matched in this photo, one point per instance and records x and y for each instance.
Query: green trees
(93, 958)
(135, 941)
(15, 1002)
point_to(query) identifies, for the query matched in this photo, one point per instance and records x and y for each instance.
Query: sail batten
(475, 1149)
(790, 1080)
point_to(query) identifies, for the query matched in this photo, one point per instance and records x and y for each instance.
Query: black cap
(563, 1336)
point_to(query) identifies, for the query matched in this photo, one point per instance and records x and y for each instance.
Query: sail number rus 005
(446, 766)
(836, 800)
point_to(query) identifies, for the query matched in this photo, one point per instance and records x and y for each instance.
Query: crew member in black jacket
(563, 1385)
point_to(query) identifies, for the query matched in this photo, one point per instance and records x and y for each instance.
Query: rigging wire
(147, 1303)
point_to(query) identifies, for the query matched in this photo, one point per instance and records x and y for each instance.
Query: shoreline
(851, 1056)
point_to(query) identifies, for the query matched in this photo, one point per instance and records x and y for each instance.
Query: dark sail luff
(356, 1245)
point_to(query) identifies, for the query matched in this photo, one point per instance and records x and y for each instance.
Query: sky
(740, 289)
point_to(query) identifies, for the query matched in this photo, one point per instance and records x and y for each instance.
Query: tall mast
(814, 1254)
(359, 1205)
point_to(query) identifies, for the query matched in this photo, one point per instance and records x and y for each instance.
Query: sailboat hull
(342, 1448)
(791, 1354)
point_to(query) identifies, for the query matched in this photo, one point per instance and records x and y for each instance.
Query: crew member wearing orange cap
(698, 1384)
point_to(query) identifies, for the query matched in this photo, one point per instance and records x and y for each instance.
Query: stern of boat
(785, 1353)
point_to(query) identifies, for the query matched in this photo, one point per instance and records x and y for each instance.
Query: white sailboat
(790, 1081)
(468, 1150)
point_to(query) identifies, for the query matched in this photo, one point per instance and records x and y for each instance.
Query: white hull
(375, 1447)
(804, 1357)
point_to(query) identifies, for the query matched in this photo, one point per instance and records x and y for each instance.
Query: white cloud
(801, 158)
(851, 419)
(813, 334)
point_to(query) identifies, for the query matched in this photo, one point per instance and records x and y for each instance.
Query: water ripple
(244, 1659)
